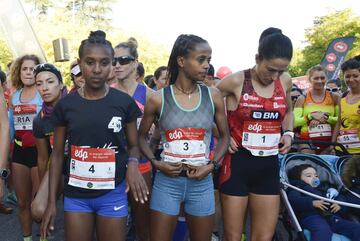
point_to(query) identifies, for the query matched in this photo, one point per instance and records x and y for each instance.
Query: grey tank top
(186, 133)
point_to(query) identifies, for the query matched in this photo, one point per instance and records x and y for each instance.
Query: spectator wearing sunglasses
(317, 112)
(296, 92)
(76, 76)
(125, 64)
(334, 86)
(347, 130)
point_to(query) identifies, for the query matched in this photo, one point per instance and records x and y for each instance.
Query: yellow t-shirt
(349, 134)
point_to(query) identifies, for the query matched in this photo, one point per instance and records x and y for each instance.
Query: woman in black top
(100, 124)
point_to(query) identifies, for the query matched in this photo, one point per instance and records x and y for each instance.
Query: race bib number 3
(320, 131)
(261, 138)
(24, 116)
(185, 145)
(92, 168)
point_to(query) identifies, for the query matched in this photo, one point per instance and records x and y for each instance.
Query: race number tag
(349, 138)
(320, 130)
(24, 116)
(261, 138)
(185, 145)
(92, 168)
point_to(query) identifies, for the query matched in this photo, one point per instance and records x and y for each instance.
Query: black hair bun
(97, 34)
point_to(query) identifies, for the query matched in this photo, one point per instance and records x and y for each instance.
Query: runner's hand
(233, 147)
(199, 172)
(335, 208)
(321, 204)
(285, 140)
(314, 123)
(172, 170)
(136, 183)
(47, 223)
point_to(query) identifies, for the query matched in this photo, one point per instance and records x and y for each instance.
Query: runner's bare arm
(152, 109)
(288, 122)
(221, 124)
(42, 156)
(57, 159)
(4, 137)
(135, 181)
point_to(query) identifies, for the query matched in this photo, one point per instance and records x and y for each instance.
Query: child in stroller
(321, 218)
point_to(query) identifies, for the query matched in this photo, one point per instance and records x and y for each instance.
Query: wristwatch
(4, 173)
(216, 165)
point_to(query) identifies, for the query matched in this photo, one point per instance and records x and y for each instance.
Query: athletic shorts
(112, 204)
(144, 166)
(25, 156)
(169, 192)
(252, 174)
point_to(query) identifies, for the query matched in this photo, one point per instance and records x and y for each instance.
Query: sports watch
(4, 173)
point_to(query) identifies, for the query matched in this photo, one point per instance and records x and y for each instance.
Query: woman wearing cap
(49, 83)
(24, 104)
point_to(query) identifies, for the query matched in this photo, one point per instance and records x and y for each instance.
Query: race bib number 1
(92, 168)
(260, 138)
(185, 145)
(24, 116)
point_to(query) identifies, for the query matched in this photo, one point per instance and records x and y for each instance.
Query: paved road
(10, 227)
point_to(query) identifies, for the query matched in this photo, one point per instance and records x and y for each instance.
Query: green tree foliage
(5, 55)
(73, 20)
(325, 29)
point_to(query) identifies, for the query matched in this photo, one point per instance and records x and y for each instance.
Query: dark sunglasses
(333, 89)
(294, 97)
(123, 60)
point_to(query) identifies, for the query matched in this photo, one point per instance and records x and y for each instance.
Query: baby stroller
(327, 167)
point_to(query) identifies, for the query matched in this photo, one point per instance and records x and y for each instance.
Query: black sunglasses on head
(333, 89)
(123, 60)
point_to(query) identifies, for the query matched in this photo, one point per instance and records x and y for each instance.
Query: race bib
(185, 145)
(349, 138)
(92, 168)
(24, 116)
(261, 138)
(320, 130)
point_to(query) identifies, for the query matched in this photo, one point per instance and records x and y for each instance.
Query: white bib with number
(185, 145)
(349, 138)
(24, 116)
(320, 130)
(92, 168)
(261, 138)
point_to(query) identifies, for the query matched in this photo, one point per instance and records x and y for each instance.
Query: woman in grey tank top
(186, 112)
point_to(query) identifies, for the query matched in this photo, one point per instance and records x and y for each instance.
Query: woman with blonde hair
(25, 104)
(317, 112)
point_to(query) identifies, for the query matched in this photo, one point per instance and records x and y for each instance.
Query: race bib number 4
(349, 138)
(24, 116)
(261, 138)
(92, 168)
(185, 145)
(320, 131)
